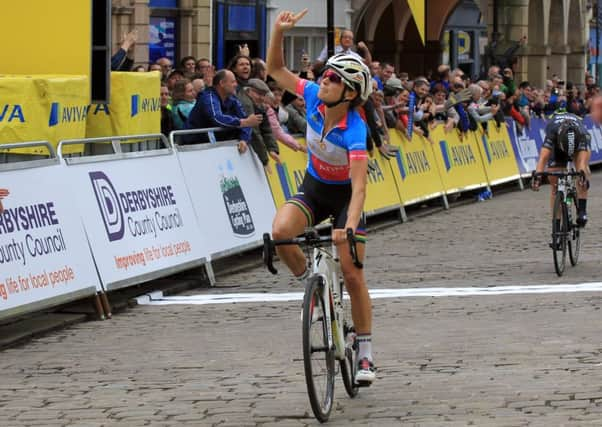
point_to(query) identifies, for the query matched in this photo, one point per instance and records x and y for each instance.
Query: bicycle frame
(326, 264)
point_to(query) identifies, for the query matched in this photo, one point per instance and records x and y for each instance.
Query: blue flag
(411, 108)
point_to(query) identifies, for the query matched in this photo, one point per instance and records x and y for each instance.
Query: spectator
(198, 83)
(3, 193)
(139, 69)
(123, 60)
(218, 106)
(188, 64)
(574, 103)
(241, 67)
(443, 77)
(174, 76)
(166, 65)
(166, 120)
(273, 104)
(344, 45)
(441, 113)
(388, 71)
(258, 70)
(204, 67)
(276, 103)
(297, 122)
(376, 71)
(154, 67)
(479, 112)
(253, 99)
(183, 97)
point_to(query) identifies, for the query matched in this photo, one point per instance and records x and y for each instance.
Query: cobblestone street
(495, 360)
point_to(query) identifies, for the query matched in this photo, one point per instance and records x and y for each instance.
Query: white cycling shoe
(366, 373)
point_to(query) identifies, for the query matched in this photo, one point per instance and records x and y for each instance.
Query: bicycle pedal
(362, 383)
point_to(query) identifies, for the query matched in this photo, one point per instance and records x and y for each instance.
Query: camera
(560, 82)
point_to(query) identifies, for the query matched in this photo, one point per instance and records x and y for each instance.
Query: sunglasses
(334, 77)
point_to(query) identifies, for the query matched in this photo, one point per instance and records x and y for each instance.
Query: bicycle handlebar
(309, 238)
(558, 174)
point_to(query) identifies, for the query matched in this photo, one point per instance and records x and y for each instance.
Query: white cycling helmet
(353, 70)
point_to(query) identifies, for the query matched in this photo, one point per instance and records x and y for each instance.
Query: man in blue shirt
(218, 106)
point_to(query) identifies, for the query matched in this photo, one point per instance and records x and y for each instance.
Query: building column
(186, 15)
(576, 66)
(537, 65)
(201, 31)
(558, 61)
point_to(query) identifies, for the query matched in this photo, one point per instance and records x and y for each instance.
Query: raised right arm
(275, 59)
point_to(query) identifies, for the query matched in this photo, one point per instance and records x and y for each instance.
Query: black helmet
(570, 135)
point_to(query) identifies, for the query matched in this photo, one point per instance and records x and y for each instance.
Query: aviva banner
(497, 154)
(286, 178)
(43, 107)
(135, 107)
(415, 169)
(459, 160)
(382, 193)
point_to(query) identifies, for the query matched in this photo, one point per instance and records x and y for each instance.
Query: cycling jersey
(326, 189)
(559, 158)
(329, 156)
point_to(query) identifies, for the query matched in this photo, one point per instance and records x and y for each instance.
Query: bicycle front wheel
(574, 242)
(559, 233)
(349, 363)
(318, 358)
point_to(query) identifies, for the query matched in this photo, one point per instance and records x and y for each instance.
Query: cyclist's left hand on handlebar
(535, 181)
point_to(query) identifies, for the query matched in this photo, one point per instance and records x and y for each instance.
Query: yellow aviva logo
(375, 172)
(11, 113)
(417, 162)
(67, 114)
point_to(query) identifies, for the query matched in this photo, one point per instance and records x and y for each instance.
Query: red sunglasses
(333, 77)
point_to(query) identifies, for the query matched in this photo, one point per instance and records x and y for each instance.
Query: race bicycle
(566, 234)
(328, 332)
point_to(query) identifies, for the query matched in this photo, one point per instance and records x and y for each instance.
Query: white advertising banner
(230, 194)
(44, 255)
(138, 216)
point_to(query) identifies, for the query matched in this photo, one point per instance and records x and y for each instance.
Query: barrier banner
(526, 143)
(44, 255)
(135, 107)
(43, 108)
(138, 216)
(230, 195)
(497, 153)
(382, 193)
(596, 141)
(415, 169)
(459, 160)
(287, 177)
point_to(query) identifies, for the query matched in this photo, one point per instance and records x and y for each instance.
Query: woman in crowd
(183, 100)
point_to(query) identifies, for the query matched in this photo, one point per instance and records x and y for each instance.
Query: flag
(418, 8)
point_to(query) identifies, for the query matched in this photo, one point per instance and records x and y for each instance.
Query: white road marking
(157, 298)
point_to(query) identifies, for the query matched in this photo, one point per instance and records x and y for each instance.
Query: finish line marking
(157, 298)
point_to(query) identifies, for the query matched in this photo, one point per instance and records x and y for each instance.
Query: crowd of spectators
(250, 107)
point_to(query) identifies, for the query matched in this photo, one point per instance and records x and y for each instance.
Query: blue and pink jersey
(329, 157)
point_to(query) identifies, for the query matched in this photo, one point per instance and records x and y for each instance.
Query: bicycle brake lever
(353, 249)
(268, 253)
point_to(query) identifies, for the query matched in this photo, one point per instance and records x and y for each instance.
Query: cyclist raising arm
(336, 175)
(566, 140)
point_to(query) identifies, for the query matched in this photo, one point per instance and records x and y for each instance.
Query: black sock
(582, 205)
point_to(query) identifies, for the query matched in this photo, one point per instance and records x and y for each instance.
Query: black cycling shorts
(318, 201)
(559, 159)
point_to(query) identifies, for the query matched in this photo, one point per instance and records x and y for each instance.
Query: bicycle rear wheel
(318, 358)
(559, 234)
(349, 364)
(574, 242)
